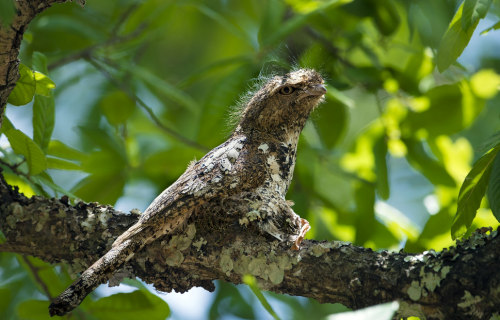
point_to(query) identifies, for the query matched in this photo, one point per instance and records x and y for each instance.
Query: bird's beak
(317, 90)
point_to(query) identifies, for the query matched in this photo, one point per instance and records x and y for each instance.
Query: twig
(123, 17)
(15, 170)
(328, 45)
(39, 280)
(135, 98)
(86, 52)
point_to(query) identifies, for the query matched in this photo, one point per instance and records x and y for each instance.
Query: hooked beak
(317, 90)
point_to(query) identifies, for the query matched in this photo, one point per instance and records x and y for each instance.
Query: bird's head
(283, 103)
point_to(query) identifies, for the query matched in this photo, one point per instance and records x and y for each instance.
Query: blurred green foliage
(147, 86)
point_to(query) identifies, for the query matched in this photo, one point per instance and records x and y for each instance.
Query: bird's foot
(303, 230)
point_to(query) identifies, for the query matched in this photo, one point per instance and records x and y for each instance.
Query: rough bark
(10, 43)
(461, 282)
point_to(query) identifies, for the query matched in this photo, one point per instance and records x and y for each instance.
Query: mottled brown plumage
(258, 159)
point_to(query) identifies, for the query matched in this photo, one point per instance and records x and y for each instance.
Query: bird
(259, 158)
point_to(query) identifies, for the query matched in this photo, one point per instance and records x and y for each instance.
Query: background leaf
(473, 11)
(494, 187)
(472, 193)
(23, 145)
(454, 41)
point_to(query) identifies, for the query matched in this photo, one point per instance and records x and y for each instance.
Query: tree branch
(461, 282)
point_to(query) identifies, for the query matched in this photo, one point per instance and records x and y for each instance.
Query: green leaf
(43, 120)
(271, 20)
(490, 142)
(226, 24)
(472, 192)
(383, 311)
(433, 170)
(252, 283)
(25, 87)
(139, 304)
(23, 145)
(169, 90)
(380, 153)
(55, 163)
(7, 12)
(454, 41)
(331, 121)
(33, 310)
(307, 8)
(474, 10)
(39, 62)
(43, 84)
(6, 125)
(496, 26)
(105, 189)
(58, 149)
(386, 16)
(54, 186)
(117, 107)
(494, 188)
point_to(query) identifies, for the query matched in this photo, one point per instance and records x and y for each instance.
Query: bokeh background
(144, 87)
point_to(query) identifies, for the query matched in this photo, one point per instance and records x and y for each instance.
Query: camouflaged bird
(258, 158)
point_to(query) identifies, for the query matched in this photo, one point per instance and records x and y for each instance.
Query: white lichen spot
(88, 224)
(226, 263)
(199, 243)
(175, 259)
(264, 147)
(232, 155)
(136, 212)
(253, 215)
(415, 291)
(225, 166)
(244, 221)
(469, 300)
(275, 273)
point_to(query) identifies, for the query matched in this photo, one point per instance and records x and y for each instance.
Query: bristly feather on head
(266, 107)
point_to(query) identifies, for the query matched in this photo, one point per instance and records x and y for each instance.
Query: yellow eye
(287, 90)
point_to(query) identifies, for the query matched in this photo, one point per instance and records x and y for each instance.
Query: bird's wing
(219, 173)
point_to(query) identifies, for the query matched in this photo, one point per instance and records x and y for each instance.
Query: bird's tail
(98, 273)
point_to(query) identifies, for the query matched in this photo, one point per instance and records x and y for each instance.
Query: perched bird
(258, 158)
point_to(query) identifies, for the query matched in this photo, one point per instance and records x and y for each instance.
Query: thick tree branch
(10, 43)
(458, 283)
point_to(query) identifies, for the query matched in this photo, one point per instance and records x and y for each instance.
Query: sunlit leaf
(25, 87)
(472, 193)
(139, 304)
(43, 84)
(473, 11)
(252, 283)
(485, 83)
(454, 41)
(23, 145)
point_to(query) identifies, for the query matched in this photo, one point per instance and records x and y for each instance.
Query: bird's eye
(287, 90)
